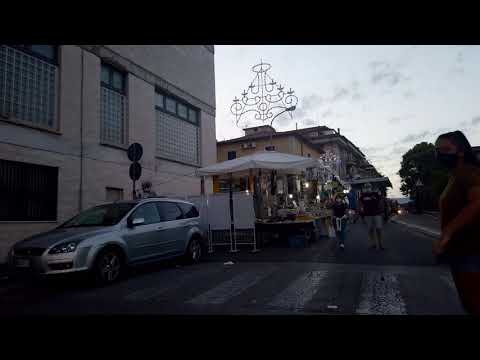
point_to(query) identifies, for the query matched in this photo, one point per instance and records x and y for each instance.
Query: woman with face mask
(460, 217)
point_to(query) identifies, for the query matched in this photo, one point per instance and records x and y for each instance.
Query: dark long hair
(463, 145)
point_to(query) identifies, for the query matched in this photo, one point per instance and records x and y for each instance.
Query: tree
(419, 163)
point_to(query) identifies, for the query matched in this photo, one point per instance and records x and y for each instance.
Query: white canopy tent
(271, 160)
(266, 160)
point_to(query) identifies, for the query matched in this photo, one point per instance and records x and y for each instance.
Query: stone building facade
(68, 113)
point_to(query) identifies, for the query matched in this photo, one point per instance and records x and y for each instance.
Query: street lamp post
(291, 108)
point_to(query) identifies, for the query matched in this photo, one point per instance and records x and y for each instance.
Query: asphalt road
(321, 279)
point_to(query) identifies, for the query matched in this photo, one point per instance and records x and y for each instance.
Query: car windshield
(103, 215)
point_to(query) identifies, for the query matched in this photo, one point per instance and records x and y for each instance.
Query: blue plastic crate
(296, 241)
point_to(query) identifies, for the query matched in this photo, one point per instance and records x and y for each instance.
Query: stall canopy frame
(266, 160)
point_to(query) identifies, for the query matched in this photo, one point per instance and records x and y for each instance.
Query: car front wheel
(194, 251)
(108, 266)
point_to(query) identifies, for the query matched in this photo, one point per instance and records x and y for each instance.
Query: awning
(272, 160)
(371, 180)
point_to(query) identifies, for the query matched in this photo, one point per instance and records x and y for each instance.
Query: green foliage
(419, 163)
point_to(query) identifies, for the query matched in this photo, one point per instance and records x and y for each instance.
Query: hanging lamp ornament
(264, 98)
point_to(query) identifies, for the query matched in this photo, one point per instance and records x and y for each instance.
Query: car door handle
(159, 228)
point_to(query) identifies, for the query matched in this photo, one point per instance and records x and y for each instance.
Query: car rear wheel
(194, 251)
(108, 266)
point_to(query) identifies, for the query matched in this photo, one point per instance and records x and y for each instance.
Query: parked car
(103, 240)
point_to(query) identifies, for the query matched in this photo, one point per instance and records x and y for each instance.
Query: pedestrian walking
(340, 218)
(372, 212)
(352, 205)
(459, 206)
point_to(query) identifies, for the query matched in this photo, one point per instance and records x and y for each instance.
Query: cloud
(384, 73)
(307, 104)
(408, 94)
(309, 122)
(415, 137)
(397, 119)
(476, 121)
(299, 113)
(457, 68)
(312, 101)
(459, 58)
(399, 150)
(373, 149)
(339, 94)
(326, 113)
(282, 120)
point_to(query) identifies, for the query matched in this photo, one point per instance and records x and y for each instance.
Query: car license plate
(22, 263)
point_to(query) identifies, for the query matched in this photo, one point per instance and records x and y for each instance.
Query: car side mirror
(131, 223)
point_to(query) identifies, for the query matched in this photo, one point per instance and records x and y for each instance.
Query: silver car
(106, 238)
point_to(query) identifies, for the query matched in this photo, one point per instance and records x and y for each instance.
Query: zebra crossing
(379, 291)
(300, 292)
(261, 288)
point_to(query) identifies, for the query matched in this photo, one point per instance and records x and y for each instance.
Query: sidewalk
(428, 224)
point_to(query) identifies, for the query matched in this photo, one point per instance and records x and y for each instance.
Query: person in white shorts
(370, 208)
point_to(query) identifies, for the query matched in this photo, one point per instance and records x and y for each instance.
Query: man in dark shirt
(339, 208)
(371, 210)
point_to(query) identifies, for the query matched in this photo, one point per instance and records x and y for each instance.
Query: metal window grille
(28, 192)
(177, 139)
(28, 87)
(113, 117)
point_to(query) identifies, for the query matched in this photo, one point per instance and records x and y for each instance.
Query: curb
(421, 229)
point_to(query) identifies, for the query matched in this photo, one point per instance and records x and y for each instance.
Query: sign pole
(134, 154)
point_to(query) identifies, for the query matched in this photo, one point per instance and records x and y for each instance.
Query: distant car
(103, 240)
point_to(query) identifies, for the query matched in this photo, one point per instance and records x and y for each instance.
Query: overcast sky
(385, 99)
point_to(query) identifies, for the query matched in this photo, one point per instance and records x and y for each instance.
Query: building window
(232, 155)
(113, 194)
(28, 84)
(113, 106)
(189, 211)
(178, 131)
(28, 192)
(148, 212)
(169, 211)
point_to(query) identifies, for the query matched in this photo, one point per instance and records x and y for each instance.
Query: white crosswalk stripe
(380, 295)
(300, 292)
(152, 293)
(230, 288)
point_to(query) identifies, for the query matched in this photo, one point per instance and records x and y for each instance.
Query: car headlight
(64, 248)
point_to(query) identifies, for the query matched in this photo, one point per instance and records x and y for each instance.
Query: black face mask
(447, 160)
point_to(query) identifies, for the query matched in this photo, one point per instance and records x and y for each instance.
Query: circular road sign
(135, 171)
(135, 152)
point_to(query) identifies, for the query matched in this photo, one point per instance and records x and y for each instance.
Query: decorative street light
(265, 98)
(290, 109)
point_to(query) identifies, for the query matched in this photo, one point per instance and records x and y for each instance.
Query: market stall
(289, 194)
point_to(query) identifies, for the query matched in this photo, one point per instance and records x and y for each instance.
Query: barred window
(113, 106)
(178, 133)
(28, 192)
(28, 84)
